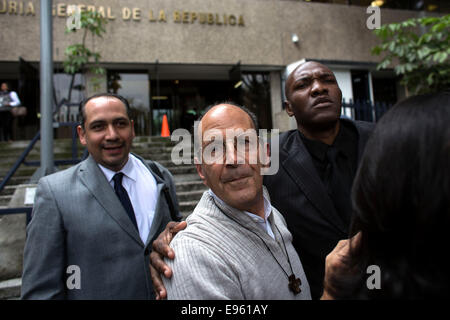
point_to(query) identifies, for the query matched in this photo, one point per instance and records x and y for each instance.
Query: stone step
(186, 177)
(4, 199)
(8, 190)
(11, 157)
(194, 195)
(185, 214)
(187, 206)
(64, 142)
(7, 163)
(22, 171)
(17, 180)
(6, 151)
(146, 144)
(10, 289)
(182, 170)
(184, 186)
(27, 171)
(152, 139)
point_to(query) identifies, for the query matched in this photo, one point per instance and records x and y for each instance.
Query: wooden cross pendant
(294, 284)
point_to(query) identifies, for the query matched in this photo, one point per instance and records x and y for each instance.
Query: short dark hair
(243, 108)
(401, 203)
(83, 103)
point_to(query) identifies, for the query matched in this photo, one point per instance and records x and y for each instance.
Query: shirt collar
(128, 170)
(267, 207)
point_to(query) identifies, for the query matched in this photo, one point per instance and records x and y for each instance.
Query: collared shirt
(142, 190)
(346, 147)
(263, 223)
(9, 99)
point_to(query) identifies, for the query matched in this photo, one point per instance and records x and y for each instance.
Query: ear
(132, 129)
(265, 155)
(200, 173)
(81, 135)
(288, 107)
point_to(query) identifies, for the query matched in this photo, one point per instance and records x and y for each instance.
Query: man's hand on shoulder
(161, 250)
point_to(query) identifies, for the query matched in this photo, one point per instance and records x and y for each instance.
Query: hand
(161, 250)
(336, 263)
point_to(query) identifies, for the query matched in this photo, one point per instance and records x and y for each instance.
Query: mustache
(112, 145)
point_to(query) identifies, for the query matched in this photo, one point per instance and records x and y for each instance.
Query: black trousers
(6, 119)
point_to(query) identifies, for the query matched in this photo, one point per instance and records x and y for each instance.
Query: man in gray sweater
(236, 245)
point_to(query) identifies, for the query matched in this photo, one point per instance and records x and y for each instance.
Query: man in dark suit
(318, 162)
(311, 189)
(93, 224)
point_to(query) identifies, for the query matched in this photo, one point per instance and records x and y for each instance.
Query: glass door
(135, 87)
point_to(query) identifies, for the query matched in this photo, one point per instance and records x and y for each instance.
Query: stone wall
(12, 237)
(202, 31)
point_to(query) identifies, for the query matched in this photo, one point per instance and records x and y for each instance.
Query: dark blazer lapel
(300, 167)
(94, 179)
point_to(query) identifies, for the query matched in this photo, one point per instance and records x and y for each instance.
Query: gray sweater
(217, 258)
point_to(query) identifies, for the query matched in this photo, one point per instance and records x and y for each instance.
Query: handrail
(59, 105)
(19, 161)
(30, 146)
(27, 210)
(22, 157)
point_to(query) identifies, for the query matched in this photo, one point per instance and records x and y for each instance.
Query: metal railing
(364, 110)
(22, 158)
(26, 210)
(30, 146)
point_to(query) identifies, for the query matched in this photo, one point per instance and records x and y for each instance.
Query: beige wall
(332, 32)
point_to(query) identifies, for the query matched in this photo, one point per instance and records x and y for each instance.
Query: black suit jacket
(298, 193)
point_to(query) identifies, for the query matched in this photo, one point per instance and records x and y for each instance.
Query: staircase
(189, 187)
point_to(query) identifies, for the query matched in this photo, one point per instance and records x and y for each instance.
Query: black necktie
(339, 184)
(123, 197)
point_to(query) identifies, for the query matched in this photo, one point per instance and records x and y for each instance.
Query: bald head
(299, 70)
(233, 173)
(221, 115)
(313, 97)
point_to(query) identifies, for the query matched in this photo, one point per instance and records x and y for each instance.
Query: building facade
(177, 57)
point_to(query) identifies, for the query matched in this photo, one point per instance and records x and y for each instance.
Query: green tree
(80, 58)
(420, 50)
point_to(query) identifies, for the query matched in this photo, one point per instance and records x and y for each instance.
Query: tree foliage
(79, 58)
(420, 50)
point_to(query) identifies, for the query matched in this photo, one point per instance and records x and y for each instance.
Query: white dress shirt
(142, 190)
(263, 223)
(14, 99)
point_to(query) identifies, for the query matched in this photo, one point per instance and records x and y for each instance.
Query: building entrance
(184, 100)
(183, 97)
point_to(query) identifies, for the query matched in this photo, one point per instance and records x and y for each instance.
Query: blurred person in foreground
(401, 200)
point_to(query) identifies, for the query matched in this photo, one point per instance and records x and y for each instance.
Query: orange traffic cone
(165, 132)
